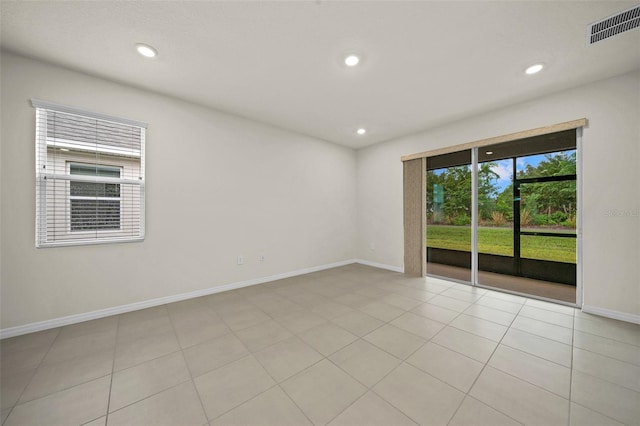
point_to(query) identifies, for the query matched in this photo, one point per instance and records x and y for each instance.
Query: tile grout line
(59, 390)
(113, 366)
(547, 322)
(483, 403)
(530, 383)
(291, 399)
(534, 355)
(402, 361)
(608, 338)
(139, 364)
(368, 389)
(607, 380)
(251, 353)
(484, 366)
(434, 336)
(501, 341)
(278, 384)
(573, 332)
(601, 378)
(148, 396)
(275, 384)
(612, 340)
(186, 365)
(35, 371)
(602, 414)
(295, 403)
(570, 368)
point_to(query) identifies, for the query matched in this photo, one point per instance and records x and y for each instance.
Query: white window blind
(89, 177)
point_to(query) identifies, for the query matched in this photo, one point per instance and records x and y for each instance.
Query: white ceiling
(424, 63)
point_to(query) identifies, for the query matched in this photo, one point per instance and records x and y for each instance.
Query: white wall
(611, 181)
(217, 186)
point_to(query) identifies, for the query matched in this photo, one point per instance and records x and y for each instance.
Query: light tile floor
(348, 346)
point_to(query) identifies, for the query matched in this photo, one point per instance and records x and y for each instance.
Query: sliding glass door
(508, 218)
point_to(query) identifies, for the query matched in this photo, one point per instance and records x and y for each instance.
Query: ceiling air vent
(614, 25)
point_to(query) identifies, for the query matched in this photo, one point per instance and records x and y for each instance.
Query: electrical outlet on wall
(240, 259)
(372, 246)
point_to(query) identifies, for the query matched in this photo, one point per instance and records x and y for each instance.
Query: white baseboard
(101, 313)
(381, 265)
(622, 316)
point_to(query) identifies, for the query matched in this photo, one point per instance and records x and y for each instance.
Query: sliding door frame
(474, 216)
(578, 125)
(579, 300)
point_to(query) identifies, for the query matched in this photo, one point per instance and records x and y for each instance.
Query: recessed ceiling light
(361, 131)
(534, 69)
(64, 149)
(489, 152)
(352, 60)
(146, 50)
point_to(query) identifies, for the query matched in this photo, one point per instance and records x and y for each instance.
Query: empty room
(320, 213)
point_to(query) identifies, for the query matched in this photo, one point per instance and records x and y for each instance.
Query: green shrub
(461, 220)
(526, 218)
(571, 222)
(498, 218)
(559, 217)
(541, 220)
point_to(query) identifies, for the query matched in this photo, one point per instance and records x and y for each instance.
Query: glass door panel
(448, 238)
(526, 223)
(495, 219)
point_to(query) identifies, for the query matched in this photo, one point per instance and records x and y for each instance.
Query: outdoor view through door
(526, 216)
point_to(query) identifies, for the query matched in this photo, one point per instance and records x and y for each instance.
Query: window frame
(45, 177)
(70, 198)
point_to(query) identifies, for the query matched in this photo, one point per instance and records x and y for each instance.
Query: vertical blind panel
(89, 179)
(414, 205)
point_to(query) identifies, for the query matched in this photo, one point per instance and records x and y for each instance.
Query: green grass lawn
(500, 241)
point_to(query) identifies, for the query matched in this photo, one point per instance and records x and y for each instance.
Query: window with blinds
(89, 177)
